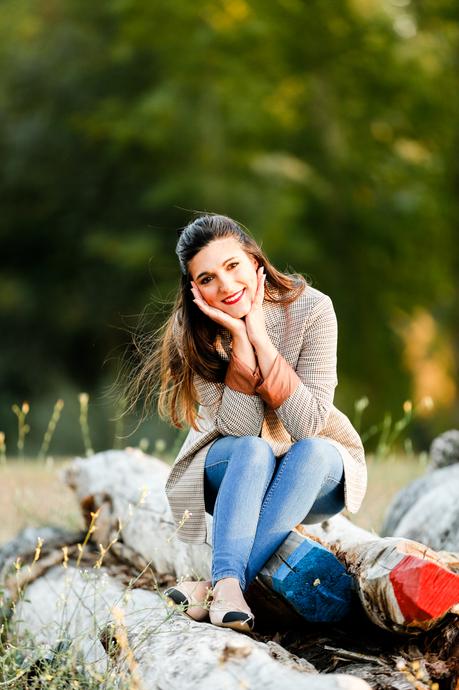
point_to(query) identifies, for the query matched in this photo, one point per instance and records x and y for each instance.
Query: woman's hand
(235, 326)
(255, 319)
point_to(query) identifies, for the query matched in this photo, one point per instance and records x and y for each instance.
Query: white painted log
(403, 585)
(159, 647)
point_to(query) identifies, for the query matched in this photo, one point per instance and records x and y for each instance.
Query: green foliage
(329, 129)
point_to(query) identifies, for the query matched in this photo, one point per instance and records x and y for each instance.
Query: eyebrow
(205, 273)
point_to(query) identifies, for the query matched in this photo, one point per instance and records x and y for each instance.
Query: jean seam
(219, 462)
(267, 498)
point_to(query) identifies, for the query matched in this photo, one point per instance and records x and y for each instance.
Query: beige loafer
(225, 614)
(193, 596)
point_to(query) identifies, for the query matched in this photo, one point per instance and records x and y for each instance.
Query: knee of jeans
(318, 453)
(255, 450)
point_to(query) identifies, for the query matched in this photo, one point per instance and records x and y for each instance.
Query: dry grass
(32, 494)
(385, 478)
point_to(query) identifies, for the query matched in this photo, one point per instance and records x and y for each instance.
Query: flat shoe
(188, 594)
(225, 614)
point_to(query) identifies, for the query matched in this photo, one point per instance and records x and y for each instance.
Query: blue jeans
(256, 499)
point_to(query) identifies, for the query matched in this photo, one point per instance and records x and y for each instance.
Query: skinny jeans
(256, 499)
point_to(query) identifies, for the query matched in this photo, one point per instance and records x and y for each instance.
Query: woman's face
(222, 269)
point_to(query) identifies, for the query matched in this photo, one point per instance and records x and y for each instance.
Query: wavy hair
(169, 358)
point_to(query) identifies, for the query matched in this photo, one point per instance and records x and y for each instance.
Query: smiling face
(222, 269)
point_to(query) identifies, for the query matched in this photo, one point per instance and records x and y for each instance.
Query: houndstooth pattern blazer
(305, 333)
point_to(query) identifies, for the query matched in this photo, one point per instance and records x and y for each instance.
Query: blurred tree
(329, 130)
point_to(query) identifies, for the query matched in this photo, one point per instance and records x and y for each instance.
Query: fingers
(199, 300)
(261, 278)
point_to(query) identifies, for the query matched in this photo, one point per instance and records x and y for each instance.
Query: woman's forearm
(243, 349)
(263, 353)
(266, 354)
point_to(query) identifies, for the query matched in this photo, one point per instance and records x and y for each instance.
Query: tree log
(310, 578)
(356, 645)
(430, 530)
(434, 519)
(444, 450)
(404, 586)
(128, 488)
(136, 634)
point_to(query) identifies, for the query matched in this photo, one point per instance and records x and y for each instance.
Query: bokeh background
(330, 130)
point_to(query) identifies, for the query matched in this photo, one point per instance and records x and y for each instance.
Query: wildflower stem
(84, 403)
(51, 429)
(23, 428)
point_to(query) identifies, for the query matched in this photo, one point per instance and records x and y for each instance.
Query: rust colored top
(279, 385)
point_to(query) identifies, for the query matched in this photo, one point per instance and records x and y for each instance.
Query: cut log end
(424, 590)
(315, 583)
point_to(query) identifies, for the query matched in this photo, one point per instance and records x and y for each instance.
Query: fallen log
(310, 578)
(434, 519)
(403, 585)
(134, 634)
(444, 450)
(427, 510)
(127, 488)
(406, 499)
(367, 652)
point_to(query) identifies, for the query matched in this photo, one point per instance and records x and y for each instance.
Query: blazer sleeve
(233, 413)
(305, 403)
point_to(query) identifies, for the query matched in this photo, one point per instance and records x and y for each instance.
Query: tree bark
(403, 585)
(136, 634)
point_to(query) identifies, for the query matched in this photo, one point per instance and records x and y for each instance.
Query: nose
(227, 290)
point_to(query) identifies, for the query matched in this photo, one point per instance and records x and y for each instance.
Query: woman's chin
(240, 312)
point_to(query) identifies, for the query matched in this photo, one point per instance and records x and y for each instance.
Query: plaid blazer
(305, 333)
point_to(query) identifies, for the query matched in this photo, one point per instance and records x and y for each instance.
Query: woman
(255, 349)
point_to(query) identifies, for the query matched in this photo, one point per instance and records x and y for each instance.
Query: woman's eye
(206, 280)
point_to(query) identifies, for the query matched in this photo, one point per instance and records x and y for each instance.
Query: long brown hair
(184, 345)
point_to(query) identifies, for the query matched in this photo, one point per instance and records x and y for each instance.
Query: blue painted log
(311, 579)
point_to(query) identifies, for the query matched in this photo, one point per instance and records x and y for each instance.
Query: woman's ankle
(227, 582)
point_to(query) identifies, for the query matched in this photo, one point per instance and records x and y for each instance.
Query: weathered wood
(385, 570)
(128, 488)
(420, 489)
(137, 634)
(434, 519)
(404, 586)
(25, 543)
(310, 578)
(444, 450)
(330, 648)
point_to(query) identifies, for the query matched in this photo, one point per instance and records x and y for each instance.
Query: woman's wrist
(243, 349)
(239, 331)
